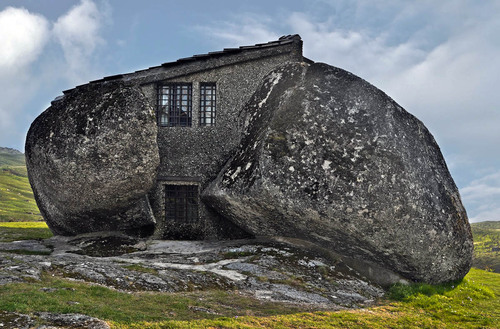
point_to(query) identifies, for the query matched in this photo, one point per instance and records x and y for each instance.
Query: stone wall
(196, 154)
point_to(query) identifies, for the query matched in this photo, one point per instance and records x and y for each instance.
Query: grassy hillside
(486, 237)
(11, 157)
(16, 197)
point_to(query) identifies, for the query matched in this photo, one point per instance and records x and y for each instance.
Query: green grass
(127, 308)
(16, 197)
(486, 236)
(9, 157)
(471, 303)
(15, 231)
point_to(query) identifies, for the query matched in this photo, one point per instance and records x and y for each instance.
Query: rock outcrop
(263, 269)
(328, 158)
(92, 157)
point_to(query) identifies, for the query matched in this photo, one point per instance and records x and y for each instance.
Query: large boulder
(92, 157)
(329, 158)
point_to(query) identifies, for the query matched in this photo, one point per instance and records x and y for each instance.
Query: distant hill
(16, 197)
(8, 150)
(11, 157)
(487, 225)
(486, 240)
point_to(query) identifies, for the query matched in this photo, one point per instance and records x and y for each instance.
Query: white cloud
(487, 212)
(78, 34)
(483, 196)
(246, 29)
(22, 36)
(25, 69)
(358, 51)
(483, 188)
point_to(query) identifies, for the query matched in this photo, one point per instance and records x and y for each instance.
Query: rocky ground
(270, 269)
(54, 321)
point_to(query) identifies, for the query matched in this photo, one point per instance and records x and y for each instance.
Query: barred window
(175, 105)
(207, 104)
(181, 203)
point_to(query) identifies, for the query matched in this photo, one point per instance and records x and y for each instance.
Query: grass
(486, 237)
(16, 197)
(471, 303)
(127, 308)
(15, 231)
(9, 157)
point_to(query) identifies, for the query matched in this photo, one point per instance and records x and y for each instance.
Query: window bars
(175, 105)
(207, 104)
(181, 203)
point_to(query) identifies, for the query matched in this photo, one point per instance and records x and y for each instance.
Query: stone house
(255, 140)
(198, 102)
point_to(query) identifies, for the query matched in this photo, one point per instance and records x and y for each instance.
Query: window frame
(208, 112)
(171, 104)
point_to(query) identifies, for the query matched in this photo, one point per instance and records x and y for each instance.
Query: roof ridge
(283, 40)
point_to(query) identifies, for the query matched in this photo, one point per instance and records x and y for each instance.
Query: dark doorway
(181, 203)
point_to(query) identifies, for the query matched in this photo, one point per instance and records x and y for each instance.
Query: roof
(286, 39)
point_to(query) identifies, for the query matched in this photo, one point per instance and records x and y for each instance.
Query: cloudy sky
(440, 60)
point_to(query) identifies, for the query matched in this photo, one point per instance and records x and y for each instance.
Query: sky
(440, 60)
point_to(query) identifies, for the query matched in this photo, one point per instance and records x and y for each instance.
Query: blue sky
(440, 60)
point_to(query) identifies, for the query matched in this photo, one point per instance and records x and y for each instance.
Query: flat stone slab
(264, 269)
(30, 246)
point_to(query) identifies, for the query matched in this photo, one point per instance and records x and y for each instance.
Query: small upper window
(175, 105)
(207, 104)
